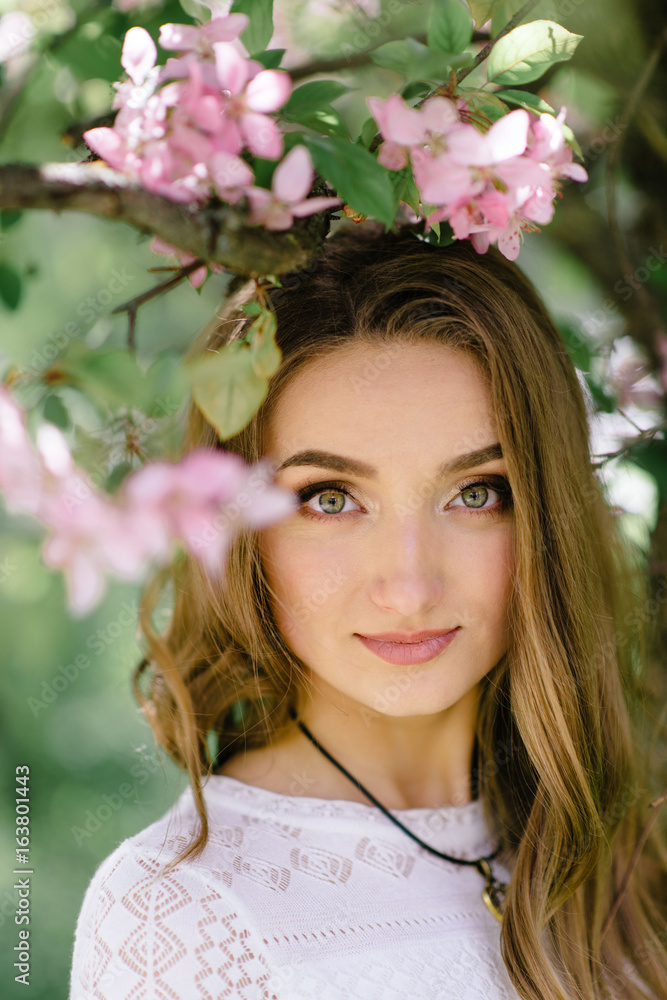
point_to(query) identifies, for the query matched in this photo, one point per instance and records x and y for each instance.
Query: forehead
(386, 398)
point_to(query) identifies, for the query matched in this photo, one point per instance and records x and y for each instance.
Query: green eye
(333, 501)
(479, 493)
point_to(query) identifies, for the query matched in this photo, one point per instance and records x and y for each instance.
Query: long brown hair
(569, 701)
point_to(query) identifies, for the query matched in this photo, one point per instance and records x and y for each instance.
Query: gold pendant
(494, 891)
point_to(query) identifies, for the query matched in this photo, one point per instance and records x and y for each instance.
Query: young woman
(424, 685)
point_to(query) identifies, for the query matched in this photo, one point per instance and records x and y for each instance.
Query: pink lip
(408, 636)
(409, 652)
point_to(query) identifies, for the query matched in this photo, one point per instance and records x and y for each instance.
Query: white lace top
(294, 898)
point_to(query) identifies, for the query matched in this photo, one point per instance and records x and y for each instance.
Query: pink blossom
(92, 536)
(292, 180)
(20, 468)
(138, 55)
(442, 181)
(250, 95)
(181, 127)
(17, 32)
(547, 145)
(405, 128)
(189, 38)
(400, 126)
(187, 498)
(506, 138)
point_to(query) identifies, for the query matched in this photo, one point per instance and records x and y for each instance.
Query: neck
(406, 761)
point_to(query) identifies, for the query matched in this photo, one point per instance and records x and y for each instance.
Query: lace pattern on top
(292, 899)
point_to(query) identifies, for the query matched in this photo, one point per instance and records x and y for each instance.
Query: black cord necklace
(494, 891)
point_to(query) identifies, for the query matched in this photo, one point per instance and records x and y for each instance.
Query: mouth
(405, 652)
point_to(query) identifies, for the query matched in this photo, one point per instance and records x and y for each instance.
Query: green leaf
(417, 88)
(164, 385)
(265, 352)
(263, 170)
(504, 13)
(108, 376)
(9, 217)
(368, 132)
(527, 51)
(117, 476)
(259, 32)
(226, 387)
(98, 59)
(11, 286)
(450, 27)
(405, 188)
(577, 347)
(325, 120)
(270, 59)
(252, 308)
(416, 61)
(492, 111)
(651, 456)
(440, 235)
(356, 176)
(524, 99)
(313, 96)
(602, 400)
(55, 411)
(482, 10)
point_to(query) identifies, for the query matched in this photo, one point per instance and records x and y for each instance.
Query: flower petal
(232, 69)
(269, 90)
(138, 55)
(311, 205)
(293, 177)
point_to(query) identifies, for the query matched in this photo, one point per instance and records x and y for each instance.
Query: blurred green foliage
(77, 726)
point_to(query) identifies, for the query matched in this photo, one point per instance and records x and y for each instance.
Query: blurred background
(66, 706)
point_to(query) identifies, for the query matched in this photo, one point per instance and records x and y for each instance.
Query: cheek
(308, 580)
(482, 571)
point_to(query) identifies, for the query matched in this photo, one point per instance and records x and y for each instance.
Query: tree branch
(359, 59)
(218, 233)
(131, 306)
(645, 435)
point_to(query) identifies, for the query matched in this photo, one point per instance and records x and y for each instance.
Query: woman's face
(392, 547)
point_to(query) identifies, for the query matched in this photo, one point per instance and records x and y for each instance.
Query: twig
(642, 436)
(630, 420)
(131, 306)
(633, 862)
(333, 65)
(486, 51)
(351, 62)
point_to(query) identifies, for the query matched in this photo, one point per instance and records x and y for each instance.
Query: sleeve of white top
(142, 935)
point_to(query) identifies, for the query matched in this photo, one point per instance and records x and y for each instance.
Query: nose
(406, 575)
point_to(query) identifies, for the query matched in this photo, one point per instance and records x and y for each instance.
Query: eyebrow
(351, 466)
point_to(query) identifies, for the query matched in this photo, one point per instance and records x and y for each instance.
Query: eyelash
(499, 485)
